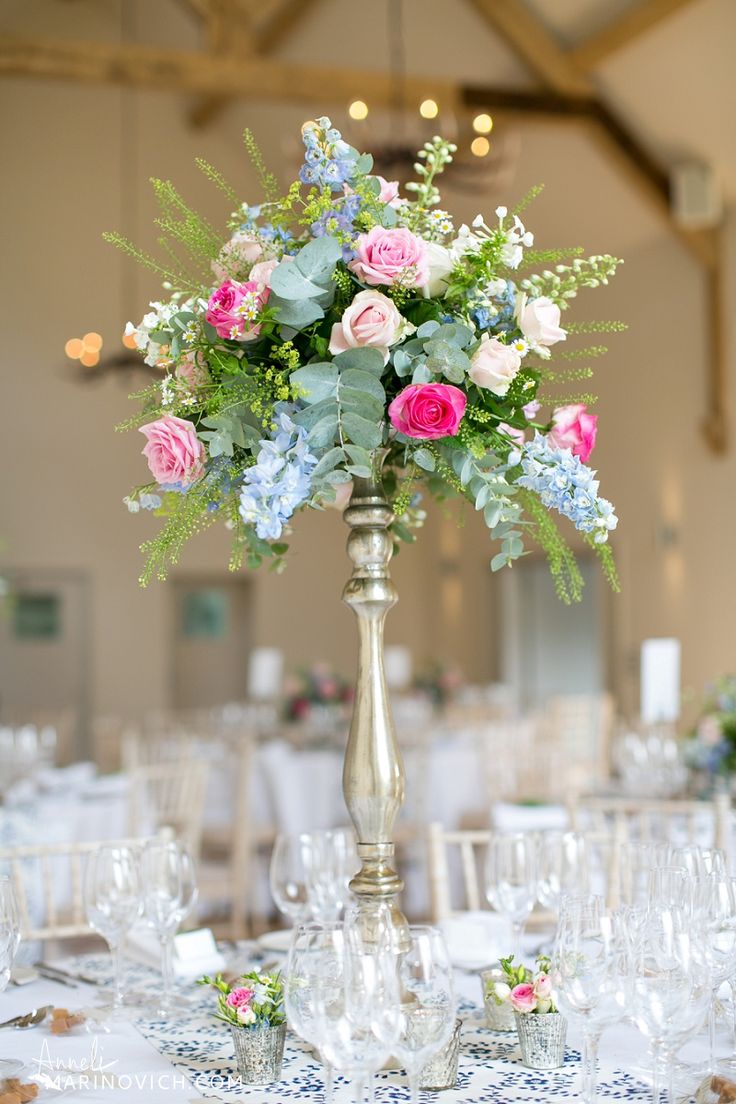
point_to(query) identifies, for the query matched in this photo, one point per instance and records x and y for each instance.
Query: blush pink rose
(174, 452)
(428, 410)
(192, 370)
(543, 986)
(234, 308)
(517, 435)
(239, 996)
(523, 997)
(573, 428)
(235, 256)
(261, 273)
(539, 320)
(390, 256)
(373, 320)
(494, 365)
(389, 191)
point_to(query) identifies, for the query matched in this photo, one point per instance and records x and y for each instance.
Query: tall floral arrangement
(343, 326)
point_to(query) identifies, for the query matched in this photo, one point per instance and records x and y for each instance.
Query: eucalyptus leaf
(428, 328)
(499, 560)
(329, 461)
(315, 381)
(337, 476)
(360, 471)
(322, 435)
(298, 313)
(316, 260)
(421, 374)
(424, 458)
(358, 380)
(402, 363)
(359, 456)
(360, 402)
(289, 282)
(362, 431)
(365, 359)
(313, 414)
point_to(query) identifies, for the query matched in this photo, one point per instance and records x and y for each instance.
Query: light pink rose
(372, 319)
(494, 365)
(234, 306)
(517, 435)
(192, 370)
(261, 273)
(245, 1014)
(543, 986)
(539, 320)
(428, 410)
(174, 452)
(236, 997)
(523, 997)
(390, 256)
(573, 428)
(236, 255)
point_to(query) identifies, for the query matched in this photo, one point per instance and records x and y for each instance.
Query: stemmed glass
(669, 988)
(168, 890)
(636, 861)
(511, 878)
(715, 924)
(112, 895)
(9, 930)
(427, 1001)
(590, 976)
(356, 1001)
(312, 961)
(288, 876)
(563, 867)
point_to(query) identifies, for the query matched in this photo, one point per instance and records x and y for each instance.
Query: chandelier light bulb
(429, 109)
(74, 348)
(358, 109)
(483, 124)
(480, 147)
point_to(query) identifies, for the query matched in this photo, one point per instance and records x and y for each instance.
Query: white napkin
(477, 939)
(143, 946)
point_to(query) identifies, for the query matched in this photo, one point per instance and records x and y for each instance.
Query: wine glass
(356, 1000)
(9, 929)
(714, 920)
(670, 990)
(636, 861)
(511, 878)
(671, 887)
(288, 876)
(112, 896)
(312, 960)
(590, 975)
(563, 867)
(168, 891)
(427, 1001)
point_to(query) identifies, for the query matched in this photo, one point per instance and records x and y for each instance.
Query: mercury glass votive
(441, 1071)
(499, 1017)
(259, 1052)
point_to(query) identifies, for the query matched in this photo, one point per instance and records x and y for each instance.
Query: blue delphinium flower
(565, 484)
(329, 162)
(280, 480)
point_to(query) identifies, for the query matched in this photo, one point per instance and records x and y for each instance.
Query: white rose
(539, 320)
(501, 991)
(441, 263)
(372, 320)
(494, 365)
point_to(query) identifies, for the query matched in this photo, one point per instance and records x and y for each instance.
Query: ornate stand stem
(373, 774)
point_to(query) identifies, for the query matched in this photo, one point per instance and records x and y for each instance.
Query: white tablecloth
(191, 1056)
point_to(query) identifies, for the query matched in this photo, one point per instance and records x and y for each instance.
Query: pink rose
(372, 319)
(543, 986)
(539, 320)
(523, 997)
(428, 410)
(573, 428)
(517, 435)
(234, 306)
(261, 273)
(494, 365)
(239, 996)
(236, 255)
(390, 256)
(192, 370)
(174, 452)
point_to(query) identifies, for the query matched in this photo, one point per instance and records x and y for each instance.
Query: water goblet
(511, 878)
(112, 895)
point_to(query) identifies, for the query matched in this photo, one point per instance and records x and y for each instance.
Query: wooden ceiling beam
(634, 23)
(533, 43)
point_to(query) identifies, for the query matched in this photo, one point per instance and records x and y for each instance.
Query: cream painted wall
(76, 162)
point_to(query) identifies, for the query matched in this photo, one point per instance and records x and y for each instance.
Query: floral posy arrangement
(525, 990)
(342, 325)
(254, 1000)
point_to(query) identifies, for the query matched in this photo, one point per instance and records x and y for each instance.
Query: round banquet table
(190, 1057)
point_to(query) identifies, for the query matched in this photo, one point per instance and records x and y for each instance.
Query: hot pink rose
(239, 996)
(174, 452)
(235, 256)
(391, 256)
(428, 410)
(372, 319)
(573, 428)
(234, 306)
(523, 997)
